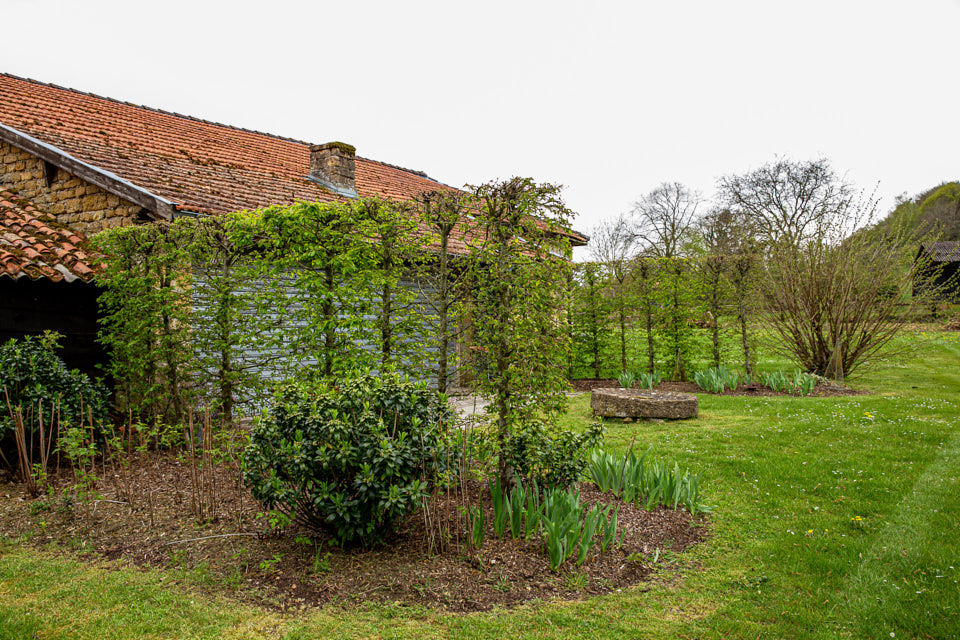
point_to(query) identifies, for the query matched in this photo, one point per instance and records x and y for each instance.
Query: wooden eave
(160, 208)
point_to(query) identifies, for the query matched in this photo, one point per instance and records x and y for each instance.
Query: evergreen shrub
(548, 456)
(35, 377)
(350, 460)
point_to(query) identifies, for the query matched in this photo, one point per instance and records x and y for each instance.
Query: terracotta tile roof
(35, 245)
(198, 165)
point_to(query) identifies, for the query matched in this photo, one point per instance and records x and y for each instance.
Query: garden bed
(233, 549)
(823, 389)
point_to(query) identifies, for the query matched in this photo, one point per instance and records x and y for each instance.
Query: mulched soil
(146, 517)
(823, 388)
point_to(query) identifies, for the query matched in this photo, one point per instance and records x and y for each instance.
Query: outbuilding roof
(199, 165)
(943, 251)
(193, 164)
(34, 245)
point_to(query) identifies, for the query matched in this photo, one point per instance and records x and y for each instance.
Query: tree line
(781, 257)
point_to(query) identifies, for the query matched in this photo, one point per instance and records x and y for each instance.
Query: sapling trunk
(328, 310)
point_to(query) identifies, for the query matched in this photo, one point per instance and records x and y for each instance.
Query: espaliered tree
(681, 304)
(325, 247)
(589, 316)
(718, 236)
(441, 277)
(519, 274)
(663, 221)
(613, 244)
(645, 274)
(401, 313)
(743, 279)
(240, 305)
(145, 323)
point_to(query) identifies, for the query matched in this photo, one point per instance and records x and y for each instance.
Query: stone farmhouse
(74, 164)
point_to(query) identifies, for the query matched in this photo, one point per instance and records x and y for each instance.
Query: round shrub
(549, 456)
(32, 375)
(351, 460)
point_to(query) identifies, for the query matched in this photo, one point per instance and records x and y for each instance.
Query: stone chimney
(332, 165)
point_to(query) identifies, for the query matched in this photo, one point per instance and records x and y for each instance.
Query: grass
(836, 518)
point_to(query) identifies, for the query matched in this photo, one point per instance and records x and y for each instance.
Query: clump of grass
(800, 383)
(716, 379)
(562, 511)
(568, 527)
(478, 525)
(648, 484)
(626, 379)
(649, 380)
(804, 383)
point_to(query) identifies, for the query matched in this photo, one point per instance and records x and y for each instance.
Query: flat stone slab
(640, 403)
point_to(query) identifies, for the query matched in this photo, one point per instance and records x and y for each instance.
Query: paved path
(469, 406)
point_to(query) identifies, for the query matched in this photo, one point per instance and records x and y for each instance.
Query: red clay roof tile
(34, 245)
(198, 165)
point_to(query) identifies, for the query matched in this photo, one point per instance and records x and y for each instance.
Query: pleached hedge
(212, 311)
(671, 315)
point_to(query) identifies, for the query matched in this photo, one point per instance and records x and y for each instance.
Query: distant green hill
(928, 216)
(933, 214)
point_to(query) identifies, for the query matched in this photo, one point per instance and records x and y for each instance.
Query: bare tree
(835, 300)
(613, 244)
(789, 201)
(664, 218)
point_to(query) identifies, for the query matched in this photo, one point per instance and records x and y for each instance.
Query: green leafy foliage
(35, 378)
(550, 457)
(716, 379)
(645, 483)
(351, 460)
(648, 380)
(626, 380)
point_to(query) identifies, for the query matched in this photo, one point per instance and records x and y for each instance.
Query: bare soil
(147, 517)
(823, 389)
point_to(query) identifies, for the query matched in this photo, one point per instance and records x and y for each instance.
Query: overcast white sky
(606, 98)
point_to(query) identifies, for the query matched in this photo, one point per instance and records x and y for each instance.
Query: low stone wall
(637, 403)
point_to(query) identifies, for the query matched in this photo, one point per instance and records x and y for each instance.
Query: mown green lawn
(835, 517)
